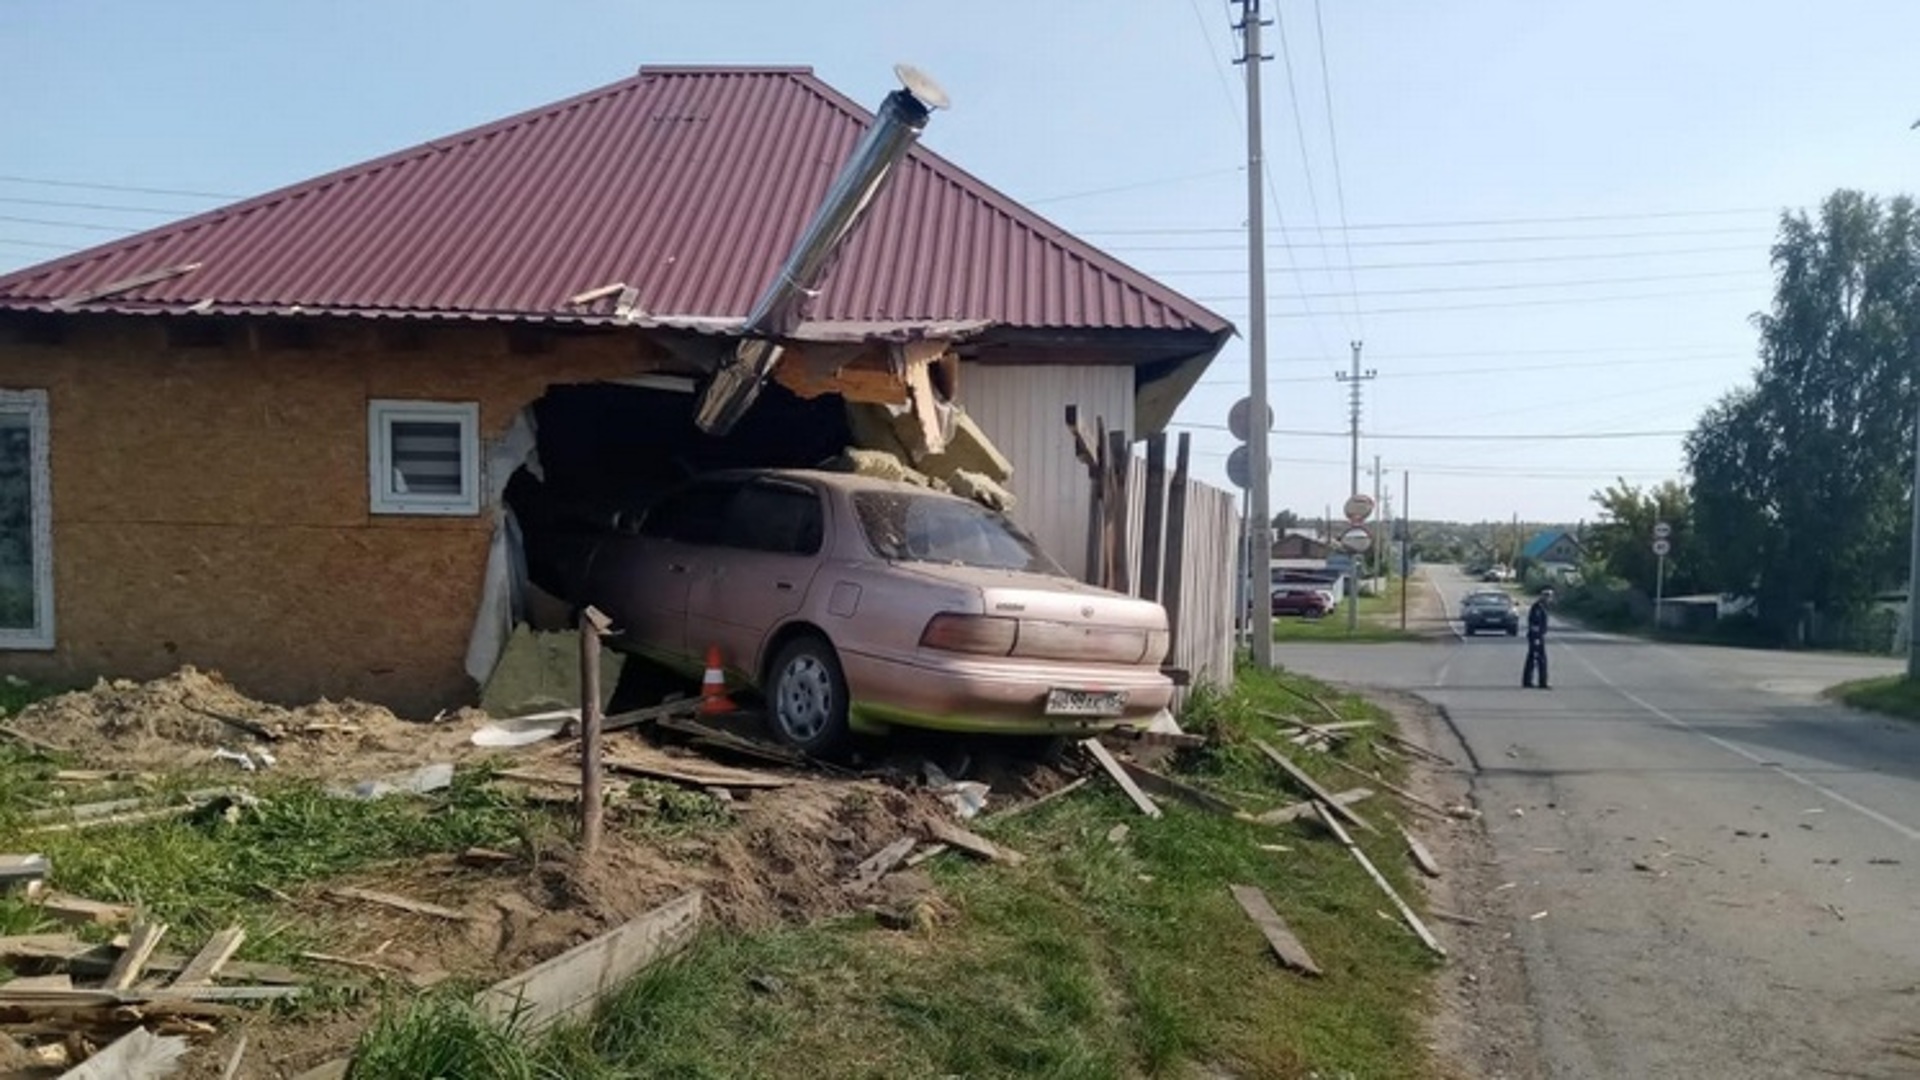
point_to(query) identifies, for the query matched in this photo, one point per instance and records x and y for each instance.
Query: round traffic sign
(1240, 467)
(1662, 530)
(1238, 416)
(1356, 539)
(1358, 508)
(1662, 546)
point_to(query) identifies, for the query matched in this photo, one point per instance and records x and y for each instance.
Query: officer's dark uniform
(1536, 643)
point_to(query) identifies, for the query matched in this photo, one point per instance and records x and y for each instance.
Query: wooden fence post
(592, 809)
(1174, 592)
(1151, 540)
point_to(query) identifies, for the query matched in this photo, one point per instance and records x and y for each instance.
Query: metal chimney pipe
(896, 125)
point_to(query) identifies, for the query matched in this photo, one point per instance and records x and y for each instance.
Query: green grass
(1895, 695)
(1093, 959)
(1379, 620)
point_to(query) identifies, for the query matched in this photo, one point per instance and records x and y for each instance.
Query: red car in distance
(1306, 603)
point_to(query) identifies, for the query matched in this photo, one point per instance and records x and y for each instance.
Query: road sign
(1662, 530)
(1356, 539)
(1662, 546)
(1358, 508)
(1238, 416)
(1240, 468)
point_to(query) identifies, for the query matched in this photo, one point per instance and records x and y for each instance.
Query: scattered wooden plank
(1296, 811)
(18, 868)
(1285, 945)
(98, 960)
(126, 971)
(211, 958)
(85, 811)
(240, 723)
(32, 742)
(1060, 792)
(637, 717)
(1113, 769)
(569, 985)
(925, 853)
(1453, 917)
(27, 985)
(137, 1055)
(1313, 787)
(78, 910)
(1422, 858)
(1170, 788)
(485, 857)
(41, 947)
(418, 907)
(877, 865)
(232, 1069)
(1419, 928)
(1179, 739)
(696, 774)
(351, 962)
(139, 817)
(972, 843)
(1409, 796)
(1417, 749)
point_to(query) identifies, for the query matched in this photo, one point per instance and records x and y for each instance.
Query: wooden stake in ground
(592, 809)
(1313, 787)
(1419, 928)
(1100, 754)
(1285, 945)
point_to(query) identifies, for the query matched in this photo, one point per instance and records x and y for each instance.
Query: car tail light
(1157, 642)
(987, 635)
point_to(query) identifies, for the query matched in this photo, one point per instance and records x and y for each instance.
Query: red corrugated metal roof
(686, 183)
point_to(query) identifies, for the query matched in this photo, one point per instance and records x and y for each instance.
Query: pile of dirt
(180, 720)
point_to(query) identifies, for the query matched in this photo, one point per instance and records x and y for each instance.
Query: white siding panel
(1023, 410)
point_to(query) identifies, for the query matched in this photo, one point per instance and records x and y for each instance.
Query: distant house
(1301, 545)
(1553, 547)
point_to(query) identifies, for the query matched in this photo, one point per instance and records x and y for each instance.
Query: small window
(424, 457)
(26, 528)
(775, 517)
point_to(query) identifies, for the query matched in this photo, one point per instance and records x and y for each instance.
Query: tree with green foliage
(1621, 542)
(1801, 481)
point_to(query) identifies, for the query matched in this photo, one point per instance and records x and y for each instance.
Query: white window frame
(382, 414)
(33, 403)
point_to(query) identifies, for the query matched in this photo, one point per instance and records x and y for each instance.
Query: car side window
(781, 518)
(692, 515)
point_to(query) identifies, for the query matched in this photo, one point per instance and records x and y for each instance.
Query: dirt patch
(1481, 1027)
(180, 720)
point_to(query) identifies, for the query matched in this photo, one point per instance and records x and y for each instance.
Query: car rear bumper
(991, 696)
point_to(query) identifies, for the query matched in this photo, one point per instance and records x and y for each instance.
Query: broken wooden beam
(695, 774)
(1410, 797)
(1285, 945)
(972, 843)
(126, 970)
(1170, 788)
(32, 742)
(653, 713)
(569, 985)
(211, 958)
(1060, 792)
(1107, 761)
(1326, 815)
(1422, 858)
(1296, 811)
(138, 817)
(1313, 787)
(15, 869)
(401, 903)
(1147, 737)
(876, 866)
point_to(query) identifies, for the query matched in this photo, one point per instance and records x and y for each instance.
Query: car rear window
(926, 528)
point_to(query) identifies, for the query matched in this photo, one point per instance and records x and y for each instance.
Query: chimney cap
(921, 85)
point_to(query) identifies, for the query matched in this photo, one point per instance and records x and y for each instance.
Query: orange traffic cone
(713, 687)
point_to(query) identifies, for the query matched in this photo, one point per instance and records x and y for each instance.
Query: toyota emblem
(1086, 613)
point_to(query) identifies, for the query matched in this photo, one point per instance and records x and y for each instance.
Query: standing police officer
(1537, 641)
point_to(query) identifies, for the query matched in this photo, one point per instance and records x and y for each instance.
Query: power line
(1508, 286)
(117, 187)
(13, 242)
(1333, 142)
(1137, 185)
(123, 229)
(1519, 260)
(1458, 437)
(1299, 126)
(1454, 223)
(1442, 241)
(1490, 306)
(1511, 370)
(114, 207)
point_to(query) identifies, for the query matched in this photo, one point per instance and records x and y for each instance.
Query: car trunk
(1060, 618)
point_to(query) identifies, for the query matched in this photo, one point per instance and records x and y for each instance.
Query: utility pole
(1354, 382)
(1406, 540)
(1380, 515)
(1261, 514)
(1913, 567)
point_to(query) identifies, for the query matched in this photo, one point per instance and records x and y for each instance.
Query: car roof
(829, 478)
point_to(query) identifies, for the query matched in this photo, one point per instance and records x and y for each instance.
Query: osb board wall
(210, 506)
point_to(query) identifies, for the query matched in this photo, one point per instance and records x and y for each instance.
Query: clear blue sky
(1661, 140)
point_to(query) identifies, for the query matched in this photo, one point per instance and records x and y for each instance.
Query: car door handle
(783, 586)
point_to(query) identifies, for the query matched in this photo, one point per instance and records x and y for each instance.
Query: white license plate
(1086, 702)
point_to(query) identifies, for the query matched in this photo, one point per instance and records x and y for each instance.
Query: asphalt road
(1714, 873)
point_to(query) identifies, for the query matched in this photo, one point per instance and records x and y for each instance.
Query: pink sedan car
(856, 604)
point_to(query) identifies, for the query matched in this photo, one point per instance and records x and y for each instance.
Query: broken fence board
(697, 775)
(1173, 789)
(126, 970)
(211, 958)
(1060, 792)
(1179, 739)
(879, 864)
(625, 720)
(137, 1055)
(1107, 761)
(1420, 928)
(15, 868)
(1409, 796)
(1285, 945)
(418, 907)
(140, 817)
(569, 985)
(1422, 858)
(1296, 811)
(1313, 787)
(82, 911)
(972, 843)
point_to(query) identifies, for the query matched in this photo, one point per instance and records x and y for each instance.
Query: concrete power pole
(1913, 568)
(1260, 557)
(1354, 381)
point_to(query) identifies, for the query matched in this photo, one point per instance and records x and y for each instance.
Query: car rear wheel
(808, 703)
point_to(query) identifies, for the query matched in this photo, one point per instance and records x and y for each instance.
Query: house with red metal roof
(275, 439)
